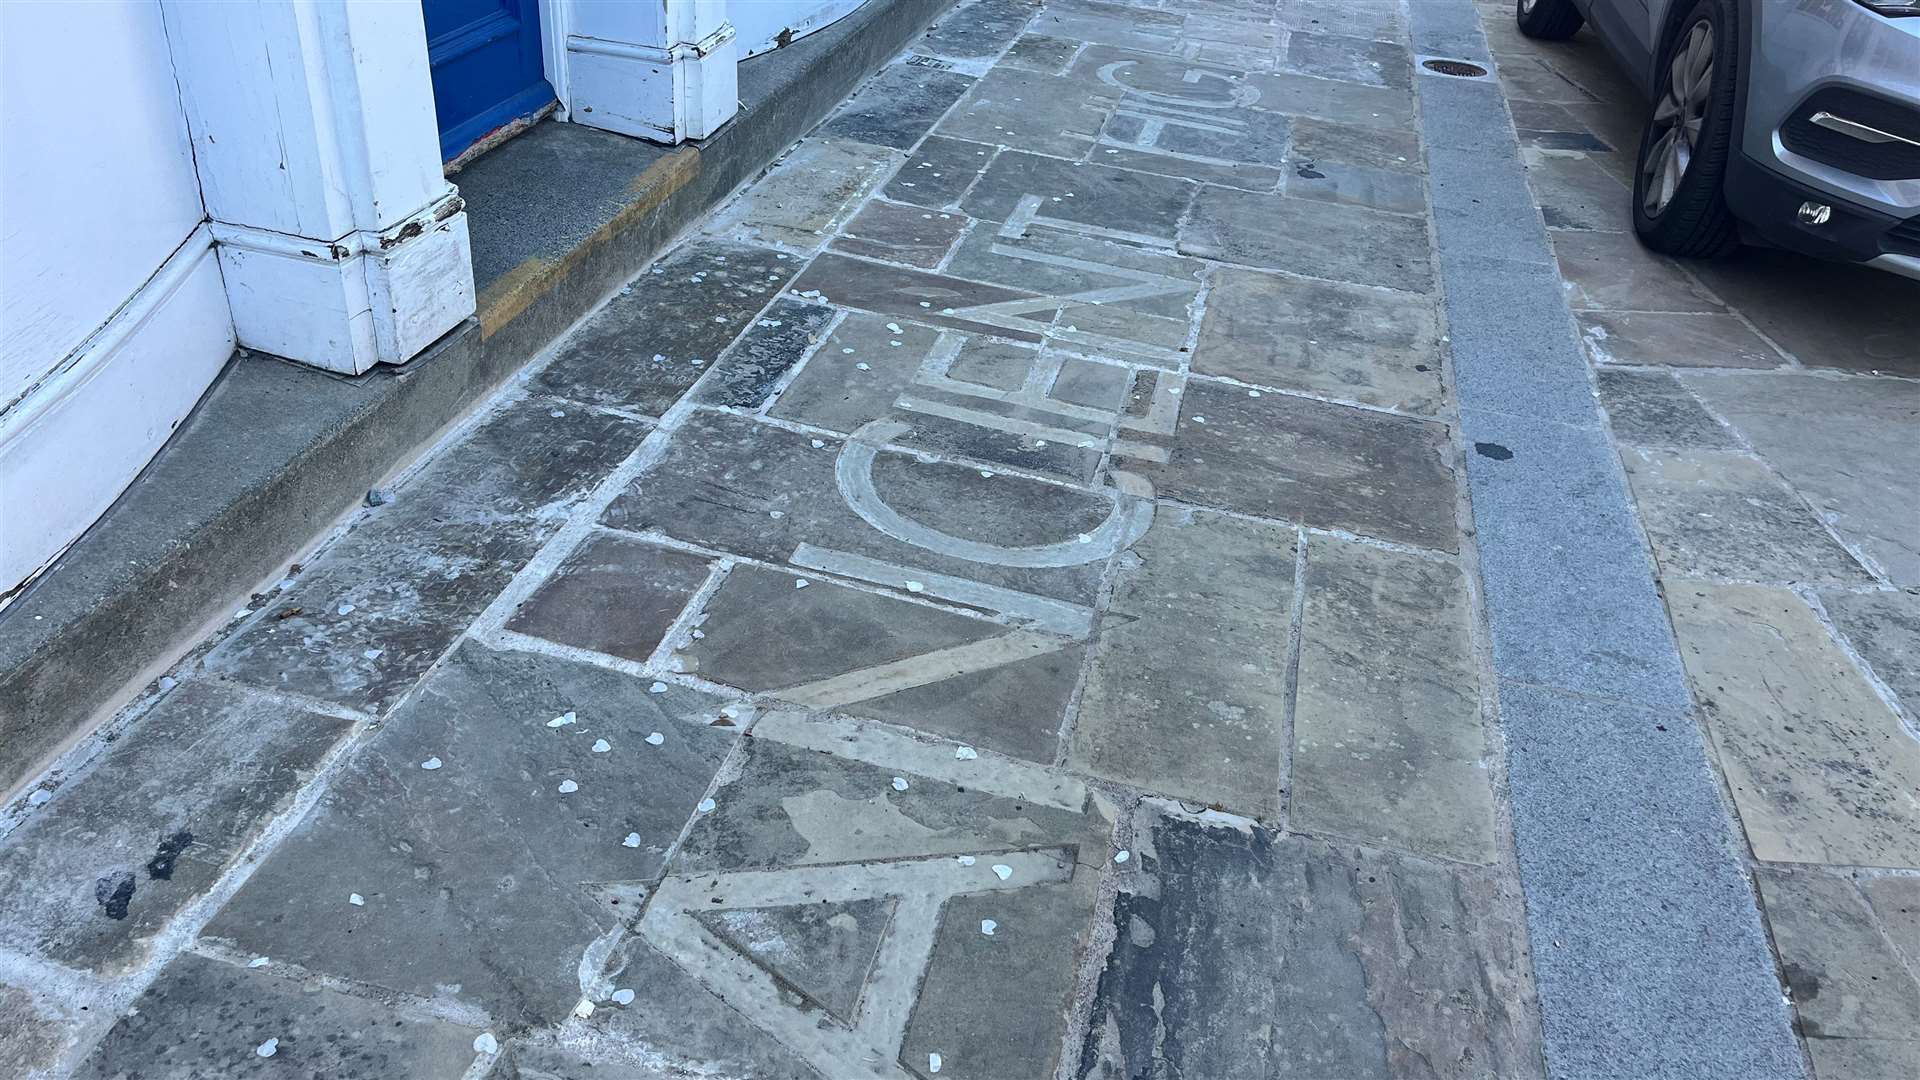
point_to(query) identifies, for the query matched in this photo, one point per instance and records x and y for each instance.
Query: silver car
(1794, 123)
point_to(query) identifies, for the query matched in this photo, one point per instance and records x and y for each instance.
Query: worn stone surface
(896, 107)
(1388, 747)
(897, 233)
(1318, 141)
(1032, 111)
(1309, 237)
(898, 291)
(1308, 461)
(1331, 56)
(1843, 317)
(752, 367)
(452, 539)
(1610, 270)
(823, 950)
(613, 595)
(639, 352)
(721, 482)
(978, 29)
(1341, 341)
(1039, 52)
(1330, 99)
(807, 193)
(1380, 965)
(1187, 695)
(1355, 185)
(34, 1032)
(1576, 192)
(1652, 408)
(1676, 339)
(1820, 768)
(95, 874)
(204, 1018)
(1716, 514)
(1089, 194)
(1839, 443)
(1884, 629)
(488, 872)
(1855, 1004)
(1895, 899)
(1182, 118)
(939, 172)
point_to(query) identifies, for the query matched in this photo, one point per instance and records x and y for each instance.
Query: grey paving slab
(1611, 271)
(1185, 118)
(824, 950)
(979, 29)
(1576, 192)
(1465, 114)
(1530, 79)
(34, 1031)
(481, 878)
(1356, 144)
(98, 872)
(1647, 948)
(1309, 461)
(1310, 237)
(1895, 899)
(897, 106)
(366, 619)
(1465, 184)
(1124, 25)
(901, 233)
(1569, 584)
(723, 479)
(1187, 695)
(1029, 110)
(939, 171)
(867, 371)
(1355, 185)
(1388, 744)
(1855, 1004)
(1243, 953)
(638, 352)
(1723, 515)
(613, 595)
(1042, 53)
(1652, 409)
(1334, 56)
(1513, 349)
(753, 366)
(1348, 103)
(1674, 339)
(204, 1018)
(1342, 341)
(1822, 771)
(814, 187)
(1847, 318)
(1378, 22)
(1884, 629)
(1858, 449)
(1080, 192)
(892, 290)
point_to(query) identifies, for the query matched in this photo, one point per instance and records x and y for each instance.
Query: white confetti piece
(1122, 855)
(801, 583)
(923, 303)
(915, 586)
(243, 613)
(374, 654)
(986, 473)
(562, 720)
(39, 797)
(655, 739)
(623, 996)
(848, 351)
(965, 860)
(966, 753)
(343, 609)
(268, 1048)
(431, 764)
(632, 840)
(601, 746)
(485, 1043)
(893, 344)
(658, 359)
(706, 806)
(817, 444)
(1002, 871)
(1253, 393)
(864, 366)
(556, 413)
(899, 783)
(893, 327)
(568, 787)
(657, 688)
(258, 961)
(1199, 419)
(584, 1009)
(933, 1063)
(356, 900)
(988, 926)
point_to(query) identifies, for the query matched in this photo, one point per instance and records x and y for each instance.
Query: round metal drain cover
(1454, 67)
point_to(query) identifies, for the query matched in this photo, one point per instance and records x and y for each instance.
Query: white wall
(113, 320)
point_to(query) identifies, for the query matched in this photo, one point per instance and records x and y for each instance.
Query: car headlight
(1892, 8)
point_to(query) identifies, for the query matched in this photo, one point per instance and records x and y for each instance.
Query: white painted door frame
(661, 71)
(341, 243)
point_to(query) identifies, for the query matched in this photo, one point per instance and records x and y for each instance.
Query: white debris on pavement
(632, 840)
(899, 783)
(431, 764)
(966, 753)
(601, 746)
(356, 900)
(562, 720)
(568, 787)
(485, 1043)
(1002, 871)
(655, 739)
(988, 926)
(623, 996)
(268, 1048)
(1122, 855)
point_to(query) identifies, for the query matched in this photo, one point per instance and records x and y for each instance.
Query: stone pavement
(1004, 600)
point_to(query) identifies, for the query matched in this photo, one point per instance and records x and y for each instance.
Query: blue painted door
(486, 66)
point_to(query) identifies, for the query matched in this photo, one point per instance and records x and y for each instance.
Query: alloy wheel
(1679, 118)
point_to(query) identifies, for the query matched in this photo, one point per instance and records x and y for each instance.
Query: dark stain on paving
(115, 894)
(754, 365)
(1493, 450)
(160, 867)
(897, 106)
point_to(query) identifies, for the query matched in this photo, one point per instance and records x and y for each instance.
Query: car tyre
(1548, 20)
(1679, 175)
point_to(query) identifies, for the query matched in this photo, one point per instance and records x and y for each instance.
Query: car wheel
(1679, 205)
(1549, 20)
